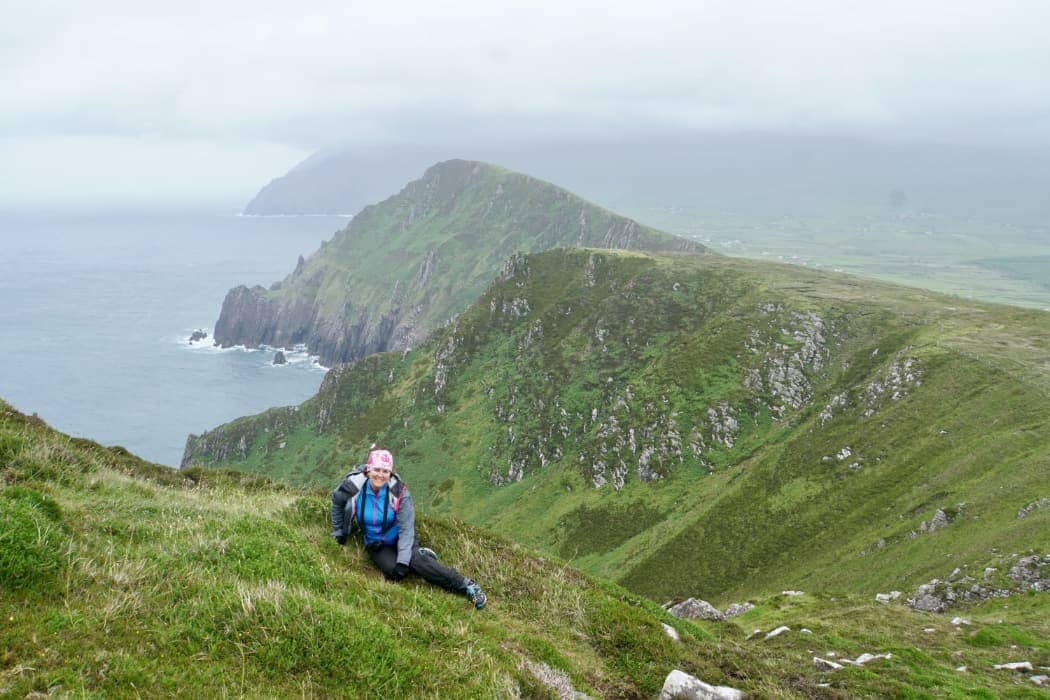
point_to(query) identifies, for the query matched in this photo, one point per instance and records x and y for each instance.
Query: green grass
(140, 580)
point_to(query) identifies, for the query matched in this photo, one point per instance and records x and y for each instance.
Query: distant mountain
(403, 267)
(702, 425)
(747, 174)
(336, 181)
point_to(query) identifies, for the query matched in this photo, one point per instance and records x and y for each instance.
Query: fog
(119, 103)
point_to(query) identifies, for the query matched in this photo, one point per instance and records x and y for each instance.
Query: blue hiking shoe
(475, 594)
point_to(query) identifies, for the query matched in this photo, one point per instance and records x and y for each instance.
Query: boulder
(279, 358)
(887, 597)
(671, 632)
(696, 609)
(778, 631)
(681, 686)
(1019, 666)
(198, 335)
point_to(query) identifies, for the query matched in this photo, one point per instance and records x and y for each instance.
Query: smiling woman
(377, 499)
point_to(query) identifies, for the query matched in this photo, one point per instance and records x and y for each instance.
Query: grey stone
(696, 609)
(681, 686)
(1028, 573)
(825, 665)
(279, 358)
(738, 609)
(1019, 666)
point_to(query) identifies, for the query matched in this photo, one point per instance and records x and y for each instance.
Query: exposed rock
(1019, 666)
(696, 609)
(778, 631)
(1028, 509)
(792, 593)
(1040, 680)
(894, 383)
(825, 665)
(198, 335)
(940, 520)
(1028, 573)
(887, 597)
(671, 632)
(782, 377)
(938, 595)
(681, 686)
(960, 621)
(738, 609)
(279, 358)
(865, 658)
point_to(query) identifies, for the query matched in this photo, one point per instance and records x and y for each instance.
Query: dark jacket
(344, 505)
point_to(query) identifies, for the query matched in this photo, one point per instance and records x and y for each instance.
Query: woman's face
(378, 476)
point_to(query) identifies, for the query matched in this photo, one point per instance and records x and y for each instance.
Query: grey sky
(114, 101)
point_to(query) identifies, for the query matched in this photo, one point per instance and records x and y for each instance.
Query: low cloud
(262, 80)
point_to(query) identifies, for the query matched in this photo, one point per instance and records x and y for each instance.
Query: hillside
(701, 426)
(119, 578)
(403, 267)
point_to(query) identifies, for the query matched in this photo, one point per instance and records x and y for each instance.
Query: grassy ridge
(579, 368)
(119, 578)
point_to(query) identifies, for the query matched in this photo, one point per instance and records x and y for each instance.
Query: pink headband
(381, 458)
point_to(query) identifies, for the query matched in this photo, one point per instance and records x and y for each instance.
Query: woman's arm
(406, 528)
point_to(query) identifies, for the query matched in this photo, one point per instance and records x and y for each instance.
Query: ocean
(96, 310)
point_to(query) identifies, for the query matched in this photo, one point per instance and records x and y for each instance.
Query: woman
(379, 501)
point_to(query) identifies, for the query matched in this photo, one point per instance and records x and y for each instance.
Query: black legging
(385, 557)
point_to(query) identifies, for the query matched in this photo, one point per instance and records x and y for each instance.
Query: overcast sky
(129, 101)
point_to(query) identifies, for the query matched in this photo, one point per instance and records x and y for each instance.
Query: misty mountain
(758, 173)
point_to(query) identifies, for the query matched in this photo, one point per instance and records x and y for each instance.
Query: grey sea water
(96, 310)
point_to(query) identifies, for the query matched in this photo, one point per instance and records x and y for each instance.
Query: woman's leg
(437, 573)
(385, 558)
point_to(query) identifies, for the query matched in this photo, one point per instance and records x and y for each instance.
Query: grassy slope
(777, 509)
(119, 578)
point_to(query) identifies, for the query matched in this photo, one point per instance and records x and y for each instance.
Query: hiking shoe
(428, 552)
(475, 594)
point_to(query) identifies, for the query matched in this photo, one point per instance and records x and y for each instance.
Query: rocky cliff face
(405, 266)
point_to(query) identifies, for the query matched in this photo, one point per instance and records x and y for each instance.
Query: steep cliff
(403, 267)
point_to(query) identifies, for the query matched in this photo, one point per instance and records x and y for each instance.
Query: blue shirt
(376, 515)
